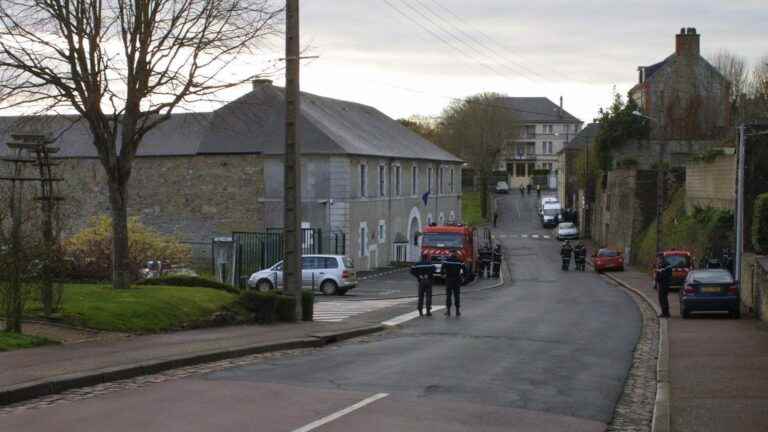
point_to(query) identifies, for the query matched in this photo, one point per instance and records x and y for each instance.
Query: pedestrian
(663, 279)
(538, 190)
(454, 270)
(424, 272)
(495, 217)
(528, 187)
(522, 190)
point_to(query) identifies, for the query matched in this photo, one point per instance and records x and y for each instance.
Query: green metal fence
(259, 250)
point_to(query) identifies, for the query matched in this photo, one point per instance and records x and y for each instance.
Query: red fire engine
(438, 242)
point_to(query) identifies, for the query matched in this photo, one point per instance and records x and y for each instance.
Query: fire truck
(438, 242)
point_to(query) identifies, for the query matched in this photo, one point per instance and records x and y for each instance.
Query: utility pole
(660, 177)
(292, 170)
(740, 203)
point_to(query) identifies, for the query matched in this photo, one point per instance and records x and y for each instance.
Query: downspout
(388, 228)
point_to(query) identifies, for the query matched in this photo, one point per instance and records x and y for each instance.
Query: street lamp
(660, 175)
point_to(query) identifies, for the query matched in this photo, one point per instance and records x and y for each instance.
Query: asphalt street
(548, 351)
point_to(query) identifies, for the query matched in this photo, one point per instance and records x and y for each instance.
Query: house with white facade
(543, 129)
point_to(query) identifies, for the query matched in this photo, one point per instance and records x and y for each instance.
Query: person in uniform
(424, 271)
(580, 256)
(454, 270)
(663, 279)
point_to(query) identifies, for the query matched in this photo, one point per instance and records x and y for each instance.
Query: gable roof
(537, 110)
(254, 124)
(585, 137)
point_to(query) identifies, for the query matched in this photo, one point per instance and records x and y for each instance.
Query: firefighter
(538, 190)
(424, 271)
(454, 270)
(663, 279)
(580, 256)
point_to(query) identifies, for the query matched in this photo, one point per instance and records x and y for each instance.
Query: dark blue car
(710, 290)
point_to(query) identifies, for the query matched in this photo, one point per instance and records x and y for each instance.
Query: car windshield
(448, 240)
(712, 277)
(566, 225)
(607, 253)
(551, 212)
(677, 261)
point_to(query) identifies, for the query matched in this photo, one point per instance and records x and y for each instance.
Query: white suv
(331, 274)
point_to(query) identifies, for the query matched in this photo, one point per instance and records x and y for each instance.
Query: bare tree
(124, 66)
(734, 69)
(759, 89)
(476, 129)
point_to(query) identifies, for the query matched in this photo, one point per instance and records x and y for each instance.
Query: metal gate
(256, 251)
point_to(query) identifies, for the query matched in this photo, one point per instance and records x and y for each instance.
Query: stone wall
(676, 153)
(711, 184)
(192, 197)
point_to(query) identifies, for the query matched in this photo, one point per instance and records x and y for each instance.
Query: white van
(545, 201)
(550, 215)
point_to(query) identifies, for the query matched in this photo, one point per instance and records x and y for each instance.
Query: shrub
(261, 305)
(189, 281)
(307, 305)
(286, 308)
(760, 224)
(90, 250)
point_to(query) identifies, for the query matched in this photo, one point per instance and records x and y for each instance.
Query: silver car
(567, 231)
(331, 274)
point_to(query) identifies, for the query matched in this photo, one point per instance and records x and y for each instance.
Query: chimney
(260, 82)
(687, 43)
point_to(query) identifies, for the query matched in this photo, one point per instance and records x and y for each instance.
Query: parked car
(547, 200)
(608, 259)
(502, 187)
(710, 290)
(566, 231)
(681, 262)
(331, 274)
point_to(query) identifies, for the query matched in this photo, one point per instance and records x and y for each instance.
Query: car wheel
(264, 285)
(328, 287)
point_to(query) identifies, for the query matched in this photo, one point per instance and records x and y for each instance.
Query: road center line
(407, 317)
(327, 419)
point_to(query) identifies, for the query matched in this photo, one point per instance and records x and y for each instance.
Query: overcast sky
(409, 57)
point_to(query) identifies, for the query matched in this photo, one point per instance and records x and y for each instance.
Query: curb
(35, 389)
(661, 409)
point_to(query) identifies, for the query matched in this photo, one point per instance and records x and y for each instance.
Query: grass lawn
(143, 309)
(470, 208)
(12, 341)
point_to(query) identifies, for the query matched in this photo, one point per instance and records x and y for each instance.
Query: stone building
(568, 180)
(688, 98)
(202, 175)
(544, 128)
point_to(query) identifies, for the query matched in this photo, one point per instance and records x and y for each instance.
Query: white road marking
(336, 311)
(547, 237)
(524, 236)
(407, 317)
(535, 236)
(327, 419)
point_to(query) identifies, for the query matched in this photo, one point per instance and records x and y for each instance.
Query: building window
(450, 181)
(440, 175)
(531, 168)
(548, 129)
(548, 166)
(529, 131)
(530, 148)
(363, 240)
(398, 178)
(363, 180)
(382, 231)
(382, 181)
(547, 147)
(520, 150)
(429, 179)
(414, 179)
(441, 219)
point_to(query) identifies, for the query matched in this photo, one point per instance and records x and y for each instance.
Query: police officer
(424, 271)
(663, 279)
(565, 254)
(580, 256)
(454, 269)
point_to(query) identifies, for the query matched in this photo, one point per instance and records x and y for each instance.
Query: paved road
(548, 351)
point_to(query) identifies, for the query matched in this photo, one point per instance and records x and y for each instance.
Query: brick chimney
(687, 43)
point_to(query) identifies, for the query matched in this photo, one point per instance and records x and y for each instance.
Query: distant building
(568, 180)
(544, 128)
(688, 98)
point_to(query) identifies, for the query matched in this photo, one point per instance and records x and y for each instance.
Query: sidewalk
(718, 368)
(34, 372)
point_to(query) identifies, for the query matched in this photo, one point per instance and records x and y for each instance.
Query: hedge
(760, 224)
(189, 281)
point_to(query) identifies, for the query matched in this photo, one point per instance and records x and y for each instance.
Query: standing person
(663, 279)
(424, 271)
(565, 254)
(454, 269)
(580, 256)
(522, 190)
(538, 190)
(495, 217)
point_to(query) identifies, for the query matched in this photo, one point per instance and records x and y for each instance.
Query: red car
(608, 259)
(681, 262)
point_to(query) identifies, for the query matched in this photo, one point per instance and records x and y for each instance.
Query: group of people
(579, 254)
(424, 271)
(528, 188)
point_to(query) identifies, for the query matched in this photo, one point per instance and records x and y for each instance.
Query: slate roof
(254, 124)
(537, 110)
(584, 137)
